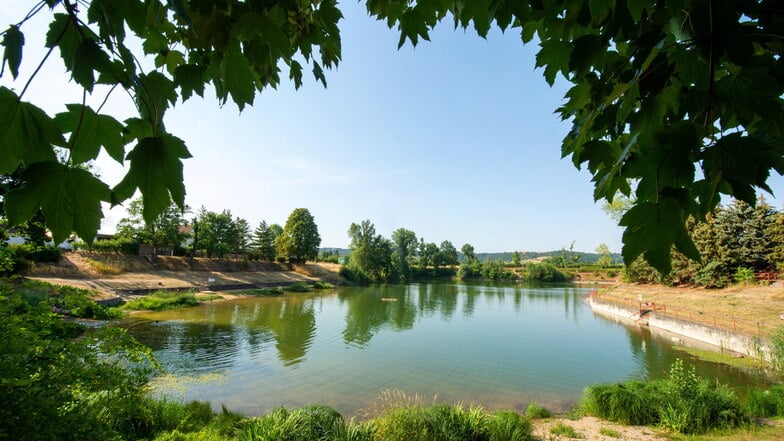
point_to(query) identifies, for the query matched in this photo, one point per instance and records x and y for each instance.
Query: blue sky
(455, 139)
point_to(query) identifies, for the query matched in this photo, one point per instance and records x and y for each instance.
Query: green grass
(208, 297)
(322, 285)
(766, 403)
(683, 403)
(276, 291)
(444, 423)
(609, 432)
(161, 300)
(566, 430)
(536, 411)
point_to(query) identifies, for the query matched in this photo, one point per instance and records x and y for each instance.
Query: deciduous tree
(682, 98)
(300, 238)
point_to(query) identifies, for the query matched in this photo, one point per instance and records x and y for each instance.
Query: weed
(609, 432)
(565, 430)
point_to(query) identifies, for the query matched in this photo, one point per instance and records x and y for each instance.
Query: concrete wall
(750, 346)
(718, 338)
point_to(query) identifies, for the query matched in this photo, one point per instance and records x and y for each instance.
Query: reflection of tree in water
(294, 327)
(366, 313)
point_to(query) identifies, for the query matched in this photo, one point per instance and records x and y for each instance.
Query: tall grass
(444, 423)
(766, 403)
(305, 424)
(683, 403)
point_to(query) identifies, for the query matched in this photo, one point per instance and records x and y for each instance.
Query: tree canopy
(300, 239)
(674, 102)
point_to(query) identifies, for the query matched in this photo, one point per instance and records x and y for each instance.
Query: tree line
(220, 234)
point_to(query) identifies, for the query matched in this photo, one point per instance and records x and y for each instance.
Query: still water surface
(499, 347)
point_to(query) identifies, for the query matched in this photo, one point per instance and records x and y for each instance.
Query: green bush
(543, 272)
(297, 287)
(7, 261)
(354, 276)
(35, 253)
(322, 285)
(745, 275)
(122, 246)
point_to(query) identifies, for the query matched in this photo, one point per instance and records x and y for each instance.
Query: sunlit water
(499, 347)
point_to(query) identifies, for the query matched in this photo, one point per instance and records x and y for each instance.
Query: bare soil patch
(590, 428)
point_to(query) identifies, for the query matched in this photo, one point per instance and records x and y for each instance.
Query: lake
(496, 346)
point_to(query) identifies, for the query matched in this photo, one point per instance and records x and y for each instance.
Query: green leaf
(26, 133)
(652, 229)
(479, 12)
(554, 56)
(189, 78)
(62, 33)
(744, 162)
(70, 199)
(154, 94)
(87, 59)
(137, 128)
(587, 52)
(295, 73)
(318, 73)
(13, 40)
(156, 170)
(238, 79)
(89, 131)
(412, 26)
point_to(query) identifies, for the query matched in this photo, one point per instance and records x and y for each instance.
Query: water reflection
(492, 345)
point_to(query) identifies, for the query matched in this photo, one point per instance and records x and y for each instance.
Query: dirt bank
(110, 274)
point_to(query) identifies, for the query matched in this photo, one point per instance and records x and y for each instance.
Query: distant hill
(538, 255)
(507, 256)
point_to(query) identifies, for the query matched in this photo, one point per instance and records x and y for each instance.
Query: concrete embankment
(719, 339)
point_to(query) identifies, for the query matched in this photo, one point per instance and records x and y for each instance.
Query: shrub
(354, 276)
(122, 246)
(297, 287)
(543, 272)
(322, 285)
(745, 275)
(35, 253)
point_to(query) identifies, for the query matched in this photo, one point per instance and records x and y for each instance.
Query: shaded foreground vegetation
(91, 384)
